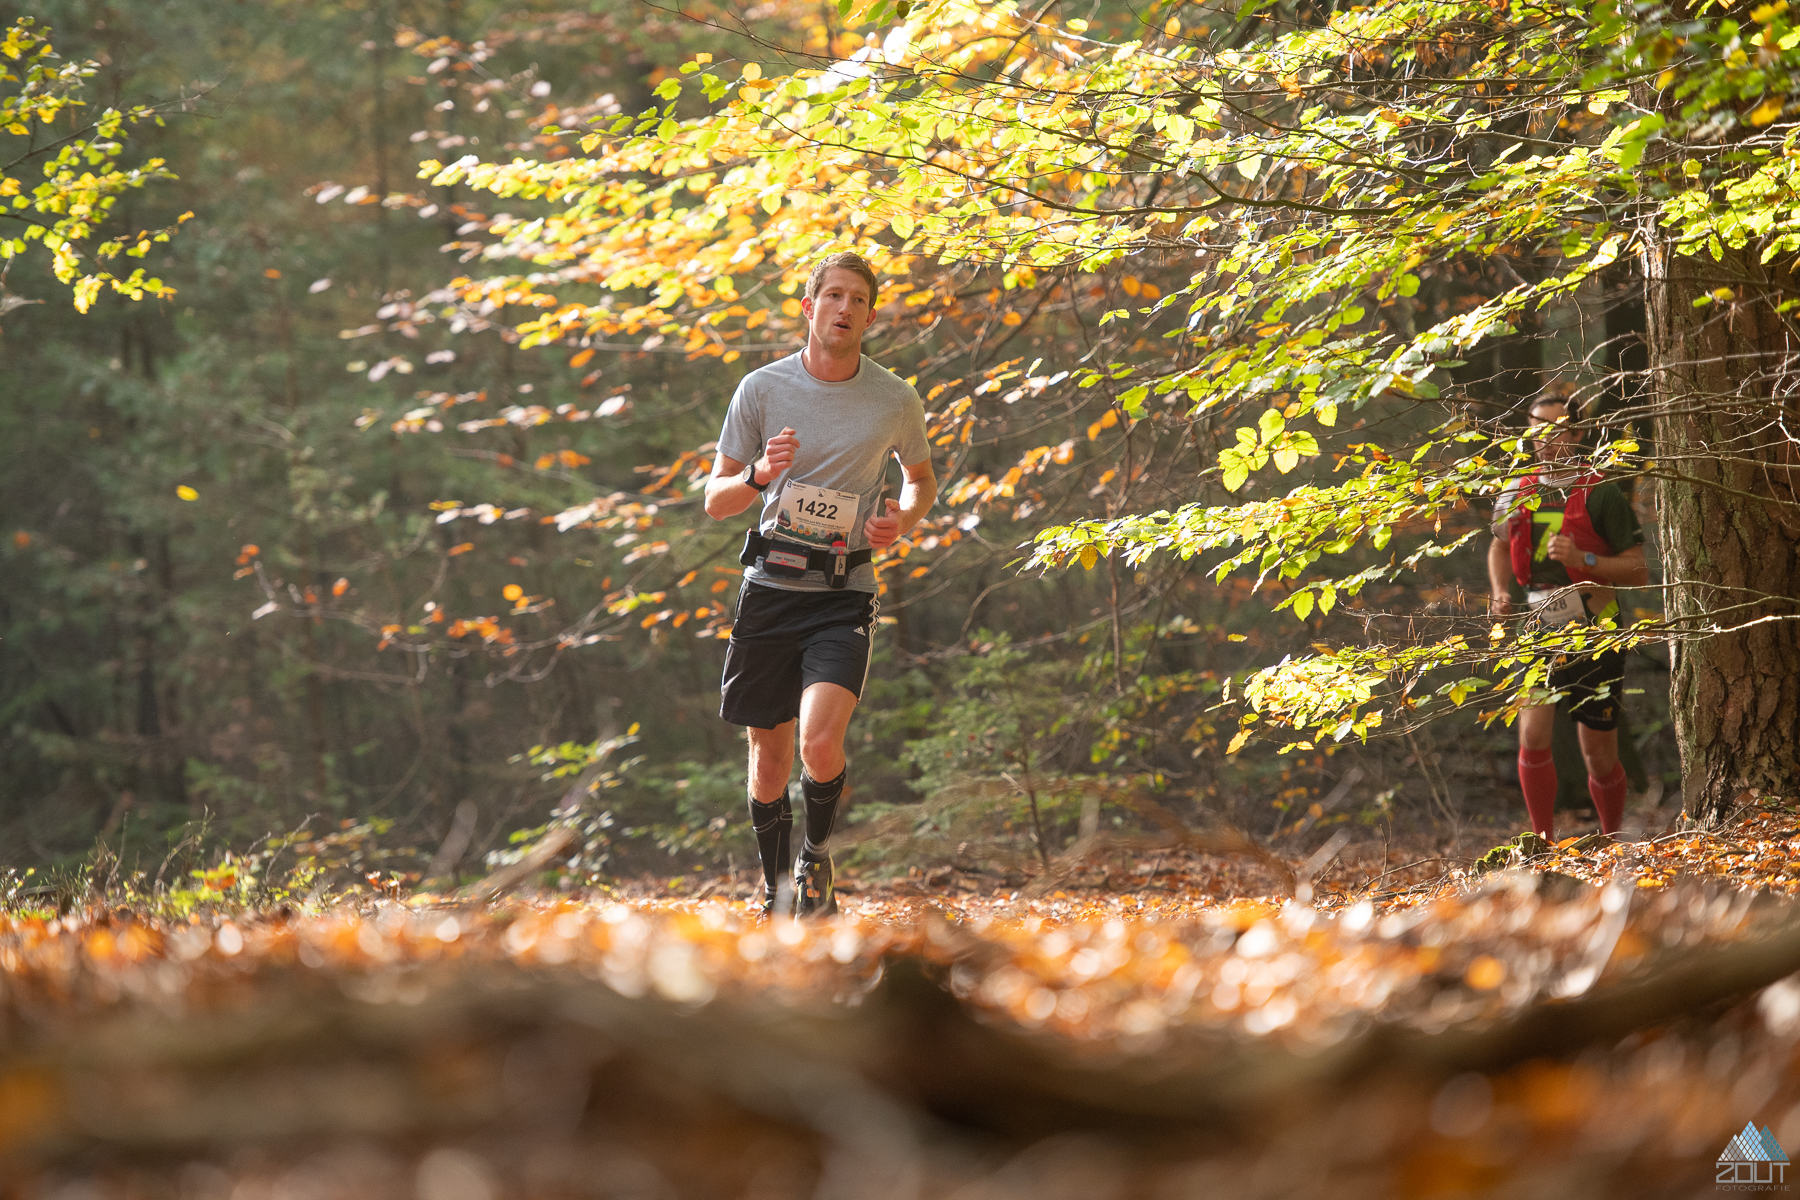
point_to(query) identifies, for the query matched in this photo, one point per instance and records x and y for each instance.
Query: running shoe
(813, 896)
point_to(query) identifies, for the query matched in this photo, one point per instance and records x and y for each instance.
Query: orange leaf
(462, 549)
(1485, 973)
(22, 539)
(687, 579)
(720, 585)
(340, 587)
(545, 462)
(271, 273)
(581, 359)
(512, 591)
(1012, 318)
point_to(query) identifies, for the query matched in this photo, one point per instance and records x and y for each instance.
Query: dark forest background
(143, 700)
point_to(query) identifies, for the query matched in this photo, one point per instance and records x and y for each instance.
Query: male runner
(809, 436)
(1581, 542)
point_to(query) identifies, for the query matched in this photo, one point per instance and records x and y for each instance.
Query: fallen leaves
(1469, 1032)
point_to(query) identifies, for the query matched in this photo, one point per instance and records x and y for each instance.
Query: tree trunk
(1721, 378)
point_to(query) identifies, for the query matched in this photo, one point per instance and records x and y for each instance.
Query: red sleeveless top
(1575, 525)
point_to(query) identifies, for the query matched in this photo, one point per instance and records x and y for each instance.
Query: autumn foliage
(1464, 1034)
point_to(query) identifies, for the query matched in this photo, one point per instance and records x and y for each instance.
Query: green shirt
(1608, 511)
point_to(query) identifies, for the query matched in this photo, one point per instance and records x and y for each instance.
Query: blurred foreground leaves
(1521, 1033)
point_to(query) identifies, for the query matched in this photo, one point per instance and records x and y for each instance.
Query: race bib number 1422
(816, 515)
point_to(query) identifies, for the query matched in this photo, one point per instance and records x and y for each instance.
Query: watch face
(1589, 558)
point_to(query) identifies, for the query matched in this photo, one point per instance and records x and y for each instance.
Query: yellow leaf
(1767, 111)
(588, 142)
(1131, 285)
(790, 307)
(752, 72)
(1237, 743)
(187, 493)
(705, 56)
(1089, 556)
(1172, 28)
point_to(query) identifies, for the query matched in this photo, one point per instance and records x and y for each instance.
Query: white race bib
(1559, 607)
(815, 515)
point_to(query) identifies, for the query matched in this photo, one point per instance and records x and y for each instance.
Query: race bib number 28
(1559, 607)
(819, 516)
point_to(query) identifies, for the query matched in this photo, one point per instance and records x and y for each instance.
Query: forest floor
(1600, 1020)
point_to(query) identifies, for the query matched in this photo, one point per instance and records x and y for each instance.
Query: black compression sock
(821, 812)
(773, 824)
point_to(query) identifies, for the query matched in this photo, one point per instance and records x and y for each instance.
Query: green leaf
(669, 88)
(1271, 423)
(1303, 604)
(1235, 468)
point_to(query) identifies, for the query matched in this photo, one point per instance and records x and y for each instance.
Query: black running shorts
(1585, 679)
(783, 642)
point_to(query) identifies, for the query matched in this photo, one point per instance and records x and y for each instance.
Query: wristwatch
(750, 477)
(1590, 560)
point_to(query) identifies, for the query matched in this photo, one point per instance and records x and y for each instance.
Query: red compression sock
(1537, 779)
(1609, 798)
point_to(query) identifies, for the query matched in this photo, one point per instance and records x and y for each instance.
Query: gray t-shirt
(847, 430)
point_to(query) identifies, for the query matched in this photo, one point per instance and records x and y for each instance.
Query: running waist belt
(791, 560)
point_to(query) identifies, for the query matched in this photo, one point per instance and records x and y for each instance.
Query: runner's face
(1551, 435)
(838, 315)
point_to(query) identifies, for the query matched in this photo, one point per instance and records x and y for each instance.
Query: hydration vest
(1575, 525)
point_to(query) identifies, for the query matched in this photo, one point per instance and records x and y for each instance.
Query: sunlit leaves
(82, 179)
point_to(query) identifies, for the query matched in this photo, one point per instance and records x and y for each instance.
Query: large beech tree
(1304, 221)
